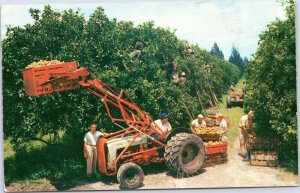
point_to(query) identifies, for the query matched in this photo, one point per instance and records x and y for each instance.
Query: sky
(228, 22)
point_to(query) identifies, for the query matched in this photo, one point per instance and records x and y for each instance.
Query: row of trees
(102, 45)
(271, 86)
(234, 58)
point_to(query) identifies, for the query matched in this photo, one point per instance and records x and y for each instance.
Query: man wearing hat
(163, 123)
(199, 122)
(90, 149)
(246, 127)
(223, 127)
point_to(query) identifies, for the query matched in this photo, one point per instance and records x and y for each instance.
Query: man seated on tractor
(163, 123)
(223, 127)
(199, 122)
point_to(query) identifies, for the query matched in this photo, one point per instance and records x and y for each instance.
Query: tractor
(235, 98)
(135, 144)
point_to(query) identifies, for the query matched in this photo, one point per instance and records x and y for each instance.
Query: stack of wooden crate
(216, 153)
(262, 152)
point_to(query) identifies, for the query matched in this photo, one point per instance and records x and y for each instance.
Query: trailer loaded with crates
(216, 151)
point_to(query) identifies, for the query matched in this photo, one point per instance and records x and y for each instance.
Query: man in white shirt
(245, 127)
(163, 123)
(199, 122)
(223, 127)
(90, 149)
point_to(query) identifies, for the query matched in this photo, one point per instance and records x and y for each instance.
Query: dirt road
(236, 173)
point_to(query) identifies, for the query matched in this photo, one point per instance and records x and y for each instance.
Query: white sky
(227, 22)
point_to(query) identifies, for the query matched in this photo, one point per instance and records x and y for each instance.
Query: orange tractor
(134, 145)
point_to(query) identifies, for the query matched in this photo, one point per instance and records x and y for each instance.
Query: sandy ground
(236, 173)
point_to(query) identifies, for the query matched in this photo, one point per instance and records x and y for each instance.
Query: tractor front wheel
(130, 176)
(185, 154)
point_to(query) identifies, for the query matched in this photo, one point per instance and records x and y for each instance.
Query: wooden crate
(215, 149)
(262, 144)
(34, 79)
(264, 163)
(209, 137)
(215, 159)
(264, 158)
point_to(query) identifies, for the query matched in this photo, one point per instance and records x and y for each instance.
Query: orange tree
(101, 45)
(271, 85)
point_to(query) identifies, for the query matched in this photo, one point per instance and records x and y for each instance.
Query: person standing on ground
(245, 128)
(90, 149)
(199, 122)
(223, 127)
(244, 85)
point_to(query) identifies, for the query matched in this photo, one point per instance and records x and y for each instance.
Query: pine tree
(216, 51)
(245, 60)
(236, 59)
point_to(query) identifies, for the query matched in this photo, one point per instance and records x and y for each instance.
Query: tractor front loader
(123, 152)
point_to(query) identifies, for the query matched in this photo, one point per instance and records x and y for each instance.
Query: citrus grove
(57, 122)
(101, 45)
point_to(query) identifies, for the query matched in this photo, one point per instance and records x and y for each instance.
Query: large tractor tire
(130, 176)
(185, 154)
(228, 102)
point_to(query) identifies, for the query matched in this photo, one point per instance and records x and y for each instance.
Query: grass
(41, 164)
(235, 114)
(7, 149)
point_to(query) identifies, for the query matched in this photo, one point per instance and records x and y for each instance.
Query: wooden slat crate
(213, 149)
(264, 158)
(215, 159)
(262, 144)
(35, 77)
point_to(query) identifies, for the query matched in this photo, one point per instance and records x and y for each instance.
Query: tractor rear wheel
(185, 154)
(130, 176)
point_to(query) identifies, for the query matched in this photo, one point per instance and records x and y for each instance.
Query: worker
(178, 79)
(163, 123)
(232, 87)
(244, 86)
(137, 51)
(182, 77)
(190, 50)
(199, 122)
(90, 150)
(245, 128)
(207, 69)
(223, 127)
(174, 66)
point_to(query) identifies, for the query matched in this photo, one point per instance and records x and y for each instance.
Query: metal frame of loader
(55, 78)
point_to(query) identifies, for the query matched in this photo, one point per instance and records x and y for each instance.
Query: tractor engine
(138, 152)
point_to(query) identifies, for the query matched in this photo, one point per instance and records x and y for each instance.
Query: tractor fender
(176, 131)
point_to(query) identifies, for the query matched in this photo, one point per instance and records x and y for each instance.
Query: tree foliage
(101, 45)
(271, 84)
(235, 58)
(216, 51)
